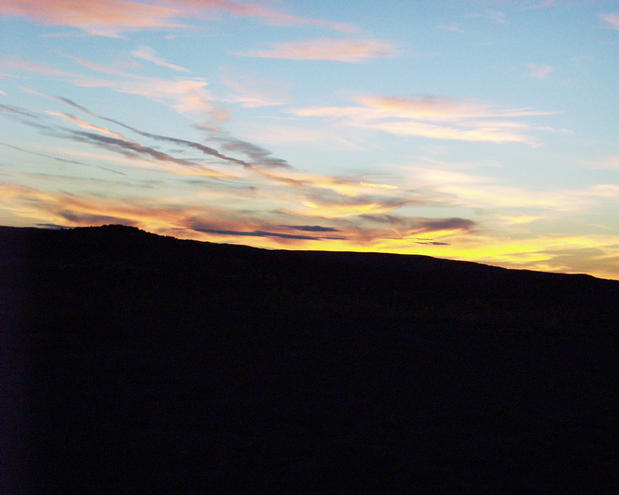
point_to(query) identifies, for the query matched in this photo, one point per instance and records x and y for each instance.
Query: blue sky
(480, 130)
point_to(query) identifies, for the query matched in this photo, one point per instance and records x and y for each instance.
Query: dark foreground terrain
(133, 363)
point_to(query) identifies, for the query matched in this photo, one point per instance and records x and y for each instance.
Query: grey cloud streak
(261, 233)
(255, 153)
(311, 228)
(422, 224)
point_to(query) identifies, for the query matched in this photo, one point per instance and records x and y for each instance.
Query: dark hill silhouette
(135, 363)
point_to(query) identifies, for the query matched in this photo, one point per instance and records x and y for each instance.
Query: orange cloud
(100, 17)
(86, 125)
(327, 49)
(111, 17)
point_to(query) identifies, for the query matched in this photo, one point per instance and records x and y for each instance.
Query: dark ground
(133, 363)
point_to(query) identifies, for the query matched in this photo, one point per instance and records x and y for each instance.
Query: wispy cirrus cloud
(253, 91)
(112, 17)
(453, 28)
(186, 96)
(496, 16)
(338, 50)
(259, 164)
(57, 158)
(540, 71)
(611, 19)
(490, 194)
(538, 4)
(28, 65)
(147, 53)
(609, 162)
(254, 156)
(432, 117)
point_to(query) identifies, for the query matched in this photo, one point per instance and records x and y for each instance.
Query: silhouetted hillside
(144, 364)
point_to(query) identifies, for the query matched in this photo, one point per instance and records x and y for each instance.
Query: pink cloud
(327, 49)
(36, 67)
(612, 18)
(111, 17)
(540, 71)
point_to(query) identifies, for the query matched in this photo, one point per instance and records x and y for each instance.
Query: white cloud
(147, 53)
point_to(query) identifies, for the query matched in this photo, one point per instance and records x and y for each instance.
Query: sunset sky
(473, 130)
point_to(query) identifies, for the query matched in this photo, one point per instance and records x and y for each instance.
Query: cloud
(544, 4)
(256, 233)
(86, 125)
(311, 228)
(610, 162)
(57, 158)
(35, 67)
(207, 150)
(457, 238)
(252, 91)
(611, 19)
(491, 15)
(451, 28)
(540, 71)
(257, 156)
(186, 96)
(17, 111)
(259, 164)
(496, 16)
(491, 194)
(421, 225)
(427, 116)
(604, 191)
(113, 141)
(327, 49)
(112, 17)
(133, 149)
(329, 204)
(99, 17)
(269, 16)
(147, 53)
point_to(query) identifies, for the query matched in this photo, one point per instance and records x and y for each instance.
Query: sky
(475, 130)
